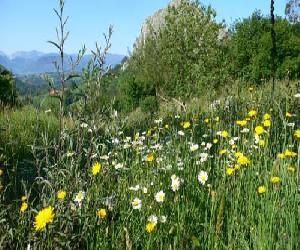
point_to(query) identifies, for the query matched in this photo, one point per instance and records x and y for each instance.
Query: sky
(28, 24)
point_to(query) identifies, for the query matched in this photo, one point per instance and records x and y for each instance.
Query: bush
(149, 104)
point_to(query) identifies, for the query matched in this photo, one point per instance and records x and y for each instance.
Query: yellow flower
(186, 124)
(61, 194)
(230, 171)
(280, 155)
(291, 169)
(96, 168)
(297, 133)
(259, 130)
(267, 123)
(243, 160)
(101, 213)
(206, 120)
(238, 154)
(224, 134)
(241, 122)
(23, 207)
(217, 119)
(222, 151)
(149, 132)
(267, 116)
(24, 198)
(252, 113)
(275, 179)
(167, 126)
(44, 217)
(150, 227)
(289, 153)
(261, 189)
(1, 172)
(261, 142)
(215, 141)
(287, 114)
(150, 157)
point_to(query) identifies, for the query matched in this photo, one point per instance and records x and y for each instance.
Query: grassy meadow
(225, 177)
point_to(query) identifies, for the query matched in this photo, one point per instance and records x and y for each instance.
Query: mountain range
(36, 62)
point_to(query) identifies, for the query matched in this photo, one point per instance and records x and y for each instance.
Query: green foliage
(149, 104)
(8, 93)
(251, 46)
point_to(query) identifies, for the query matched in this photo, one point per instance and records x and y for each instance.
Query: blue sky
(28, 24)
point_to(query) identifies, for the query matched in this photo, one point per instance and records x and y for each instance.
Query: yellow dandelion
(252, 113)
(101, 213)
(289, 153)
(224, 134)
(267, 123)
(44, 217)
(167, 126)
(150, 227)
(287, 114)
(261, 189)
(241, 123)
(23, 207)
(280, 156)
(291, 168)
(150, 157)
(206, 120)
(297, 133)
(259, 130)
(275, 179)
(238, 154)
(230, 171)
(61, 194)
(186, 124)
(243, 160)
(215, 141)
(261, 142)
(24, 198)
(267, 116)
(222, 151)
(96, 168)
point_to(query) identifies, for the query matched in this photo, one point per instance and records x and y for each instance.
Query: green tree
(8, 93)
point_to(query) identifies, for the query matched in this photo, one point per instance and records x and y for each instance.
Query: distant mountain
(35, 62)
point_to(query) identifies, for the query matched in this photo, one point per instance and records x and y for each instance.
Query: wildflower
(297, 95)
(44, 217)
(119, 166)
(287, 114)
(186, 125)
(230, 171)
(24, 198)
(175, 183)
(167, 126)
(267, 116)
(291, 169)
(252, 113)
(150, 227)
(280, 155)
(79, 197)
(224, 134)
(241, 122)
(215, 141)
(267, 123)
(222, 151)
(181, 133)
(136, 203)
(153, 219)
(261, 142)
(206, 120)
(160, 196)
(135, 188)
(245, 130)
(261, 189)
(202, 177)
(250, 89)
(275, 179)
(150, 157)
(203, 157)
(145, 190)
(194, 147)
(96, 168)
(101, 213)
(23, 207)
(297, 133)
(1, 172)
(289, 153)
(163, 219)
(259, 130)
(61, 194)
(243, 160)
